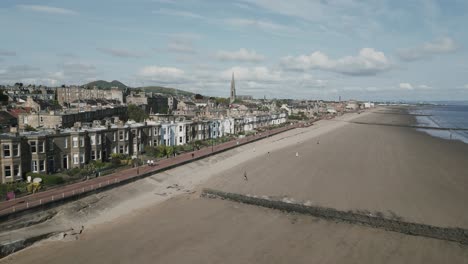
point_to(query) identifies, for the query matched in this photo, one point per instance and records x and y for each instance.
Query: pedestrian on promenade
(193, 155)
(245, 176)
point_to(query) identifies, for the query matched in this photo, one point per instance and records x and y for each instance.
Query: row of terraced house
(50, 151)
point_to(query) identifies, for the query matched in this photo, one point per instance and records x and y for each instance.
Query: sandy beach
(348, 163)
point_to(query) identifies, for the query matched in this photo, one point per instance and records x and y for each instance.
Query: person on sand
(245, 176)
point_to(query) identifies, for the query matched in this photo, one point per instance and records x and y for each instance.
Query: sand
(393, 170)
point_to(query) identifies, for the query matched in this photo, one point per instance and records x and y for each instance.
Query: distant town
(63, 130)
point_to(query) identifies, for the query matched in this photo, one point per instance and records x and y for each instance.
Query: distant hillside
(165, 90)
(155, 89)
(106, 85)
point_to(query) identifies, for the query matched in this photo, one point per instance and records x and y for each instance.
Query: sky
(310, 49)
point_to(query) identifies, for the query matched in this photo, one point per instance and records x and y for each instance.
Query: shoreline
(447, 134)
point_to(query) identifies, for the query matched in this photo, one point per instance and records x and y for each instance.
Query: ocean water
(447, 116)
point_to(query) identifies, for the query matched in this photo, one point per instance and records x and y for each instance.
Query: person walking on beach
(245, 176)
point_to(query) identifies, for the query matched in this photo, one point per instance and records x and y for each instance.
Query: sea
(445, 116)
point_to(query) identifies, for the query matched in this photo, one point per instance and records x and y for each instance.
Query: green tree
(136, 113)
(3, 97)
(29, 128)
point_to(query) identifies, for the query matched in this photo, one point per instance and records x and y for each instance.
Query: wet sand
(393, 170)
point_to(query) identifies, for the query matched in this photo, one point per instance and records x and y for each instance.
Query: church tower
(233, 90)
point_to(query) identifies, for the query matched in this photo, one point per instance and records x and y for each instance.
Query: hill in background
(166, 90)
(155, 89)
(106, 85)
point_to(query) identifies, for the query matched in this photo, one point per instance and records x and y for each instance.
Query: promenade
(75, 190)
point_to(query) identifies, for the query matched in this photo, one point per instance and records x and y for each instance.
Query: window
(7, 171)
(93, 139)
(164, 130)
(155, 130)
(180, 139)
(155, 142)
(98, 154)
(34, 166)
(165, 142)
(51, 144)
(40, 145)
(75, 159)
(81, 141)
(16, 150)
(121, 135)
(121, 149)
(42, 165)
(75, 142)
(66, 143)
(180, 128)
(16, 171)
(6, 150)
(33, 146)
(93, 155)
(82, 158)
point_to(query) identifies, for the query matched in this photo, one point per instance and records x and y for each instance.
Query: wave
(446, 116)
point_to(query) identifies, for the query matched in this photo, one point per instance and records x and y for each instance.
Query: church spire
(233, 90)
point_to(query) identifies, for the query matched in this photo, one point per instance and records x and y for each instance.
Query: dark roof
(47, 104)
(7, 118)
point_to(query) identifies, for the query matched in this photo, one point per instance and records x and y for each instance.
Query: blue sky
(393, 50)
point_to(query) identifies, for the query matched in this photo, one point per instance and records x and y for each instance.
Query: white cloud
(179, 13)
(240, 55)
(47, 9)
(424, 87)
(162, 75)
(429, 49)
(260, 24)
(179, 46)
(120, 53)
(367, 62)
(406, 86)
(252, 74)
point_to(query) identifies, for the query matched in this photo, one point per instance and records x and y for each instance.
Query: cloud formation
(181, 46)
(406, 86)
(47, 9)
(120, 53)
(161, 74)
(179, 13)
(367, 62)
(260, 24)
(260, 73)
(244, 55)
(428, 49)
